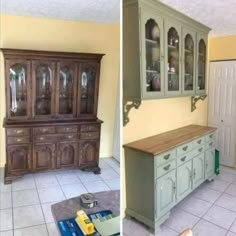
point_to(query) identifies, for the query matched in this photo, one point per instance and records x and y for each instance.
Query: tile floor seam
(62, 192)
(232, 223)
(30, 226)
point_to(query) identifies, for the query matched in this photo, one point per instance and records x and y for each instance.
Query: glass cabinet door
(173, 82)
(153, 55)
(87, 87)
(201, 68)
(18, 89)
(189, 64)
(66, 90)
(43, 88)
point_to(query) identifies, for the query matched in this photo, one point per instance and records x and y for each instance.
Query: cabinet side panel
(131, 53)
(139, 174)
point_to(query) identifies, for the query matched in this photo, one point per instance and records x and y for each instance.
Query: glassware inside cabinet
(152, 42)
(87, 87)
(43, 90)
(188, 63)
(201, 65)
(66, 90)
(173, 60)
(18, 90)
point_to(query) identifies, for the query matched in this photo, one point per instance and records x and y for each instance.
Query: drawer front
(89, 128)
(210, 137)
(18, 131)
(44, 130)
(165, 157)
(165, 168)
(184, 148)
(67, 129)
(92, 135)
(210, 144)
(55, 138)
(18, 140)
(198, 142)
(188, 156)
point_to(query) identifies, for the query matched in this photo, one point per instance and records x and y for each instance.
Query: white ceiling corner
(102, 11)
(219, 15)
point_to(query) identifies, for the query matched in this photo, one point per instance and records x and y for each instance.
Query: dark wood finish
(162, 142)
(63, 137)
(67, 154)
(44, 156)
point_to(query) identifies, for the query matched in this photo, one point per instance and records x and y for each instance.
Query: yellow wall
(222, 48)
(72, 36)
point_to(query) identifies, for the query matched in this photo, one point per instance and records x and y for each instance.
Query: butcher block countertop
(163, 142)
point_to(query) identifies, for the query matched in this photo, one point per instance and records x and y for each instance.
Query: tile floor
(210, 211)
(25, 205)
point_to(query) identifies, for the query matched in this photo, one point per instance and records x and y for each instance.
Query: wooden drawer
(18, 131)
(88, 128)
(165, 157)
(198, 142)
(210, 144)
(67, 129)
(164, 169)
(18, 140)
(54, 138)
(44, 130)
(184, 148)
(210, 137)
(91, 135)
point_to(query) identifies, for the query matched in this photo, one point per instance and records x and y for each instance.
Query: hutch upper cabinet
(164, 52)
(51, 104)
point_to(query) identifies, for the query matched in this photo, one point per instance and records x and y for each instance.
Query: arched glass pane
(66, 94)
(43, 90)
(188, 62)
(152, 41)
(201, 65)
(173, 60)
(18, 90)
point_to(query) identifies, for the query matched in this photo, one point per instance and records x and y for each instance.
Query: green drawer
(164, 169)
(165, 157)
(184, 148)
(210, 137)
(198, 142)
(210, 144)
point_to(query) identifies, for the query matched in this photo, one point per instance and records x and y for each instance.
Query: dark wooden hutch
(51, 111)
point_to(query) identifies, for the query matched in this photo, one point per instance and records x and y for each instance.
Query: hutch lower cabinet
(161, 170)
(51, 111)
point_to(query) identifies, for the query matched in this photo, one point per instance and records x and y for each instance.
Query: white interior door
(222, 108)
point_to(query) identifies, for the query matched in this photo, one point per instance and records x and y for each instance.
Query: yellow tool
(84, 223)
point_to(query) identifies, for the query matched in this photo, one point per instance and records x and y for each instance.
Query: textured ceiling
(220, 15)
(106, 11)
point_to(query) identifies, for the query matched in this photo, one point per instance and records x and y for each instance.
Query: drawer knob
(185, 148)
(199, 141)
(44, 130)
(41, 138)
(70, 136)
(183, 158)
(211, 136)
(18, 140)
(19, 131)
(166, 157)
(167, 167)
(200, 149)
(210, 144)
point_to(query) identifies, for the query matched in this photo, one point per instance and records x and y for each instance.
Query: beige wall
(72, 36)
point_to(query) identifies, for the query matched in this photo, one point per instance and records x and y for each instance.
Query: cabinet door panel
(184, 180)
(43, 89)
(18, 89)
(198, 170)
(18, 159)
(66, 89)
(67, 155)
(209, 163)
(44, 156)
(152, 55)
(174, 59)
(89, 152)
(165, 193)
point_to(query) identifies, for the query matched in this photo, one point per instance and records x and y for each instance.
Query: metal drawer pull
(167, 167)
(185, 148)
(18, 140)
(70, 136)
(44, 130)
(199, 141)
(194, 173)
(166, 157)
(206, 164)
(183, 158)
(210, 144)
(67, 129)
(41, 138)
(211, 136)
(19, 131)
(200, 149)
